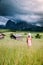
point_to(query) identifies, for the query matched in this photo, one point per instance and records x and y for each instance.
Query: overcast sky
(30, 10)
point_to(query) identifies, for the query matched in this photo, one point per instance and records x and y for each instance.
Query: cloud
(3, 20)
(28, 18)
(28, 5)
(28, 10)
(37, 24)
(9, 7)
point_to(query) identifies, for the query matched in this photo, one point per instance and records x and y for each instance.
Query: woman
(29, 40)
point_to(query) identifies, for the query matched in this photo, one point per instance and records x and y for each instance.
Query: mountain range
(21, 24)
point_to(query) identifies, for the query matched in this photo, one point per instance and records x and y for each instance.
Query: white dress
(29, 42)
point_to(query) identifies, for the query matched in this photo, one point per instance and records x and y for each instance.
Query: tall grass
(20, 56)
(14, 52)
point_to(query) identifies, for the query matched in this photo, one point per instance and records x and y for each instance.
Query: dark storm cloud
(6, 9)
(10, 7)
(29, 10)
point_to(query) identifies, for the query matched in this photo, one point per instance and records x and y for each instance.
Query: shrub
(25, 33)
(38, 36)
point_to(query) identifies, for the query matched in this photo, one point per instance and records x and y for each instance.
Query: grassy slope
(14, 52)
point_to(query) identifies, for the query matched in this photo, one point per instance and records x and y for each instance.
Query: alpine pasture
(16, 52)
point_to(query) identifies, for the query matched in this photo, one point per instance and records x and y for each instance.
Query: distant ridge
(21, 24)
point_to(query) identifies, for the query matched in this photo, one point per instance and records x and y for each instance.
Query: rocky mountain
(10, 25)
(21, 24)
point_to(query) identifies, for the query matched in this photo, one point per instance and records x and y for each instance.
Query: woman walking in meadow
(29, 40)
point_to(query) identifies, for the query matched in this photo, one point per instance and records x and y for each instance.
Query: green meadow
(16, 52)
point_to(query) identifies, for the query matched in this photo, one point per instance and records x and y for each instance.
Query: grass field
(16, 52)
